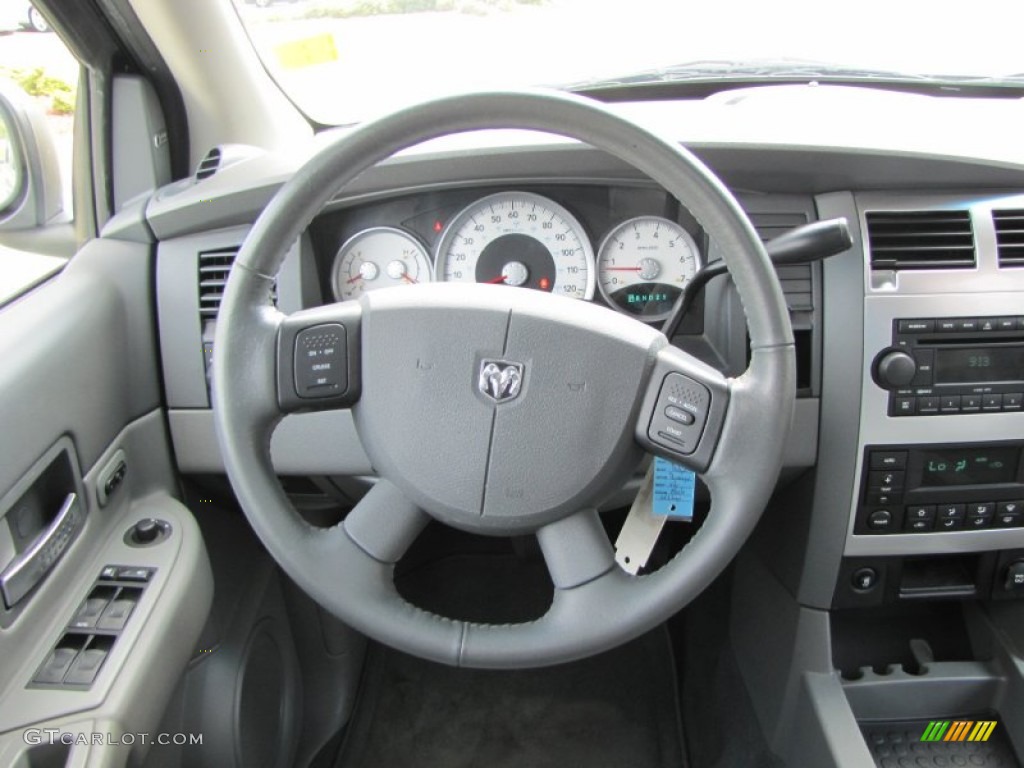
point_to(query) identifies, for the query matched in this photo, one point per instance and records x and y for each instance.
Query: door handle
(32, 564)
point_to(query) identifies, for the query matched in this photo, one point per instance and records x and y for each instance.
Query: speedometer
(644, 264)
(518, 239)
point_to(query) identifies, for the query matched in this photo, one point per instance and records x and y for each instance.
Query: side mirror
(31, 193)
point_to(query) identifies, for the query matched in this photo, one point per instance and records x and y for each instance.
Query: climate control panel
(941, 488)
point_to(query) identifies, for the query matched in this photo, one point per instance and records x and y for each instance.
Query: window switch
(115, 616)
(89, 613)
(85, 668)
(56, 666)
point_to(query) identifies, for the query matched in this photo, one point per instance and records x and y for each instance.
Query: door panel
(79, 376)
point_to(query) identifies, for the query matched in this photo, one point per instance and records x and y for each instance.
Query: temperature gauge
(380, 257)
(644, 264)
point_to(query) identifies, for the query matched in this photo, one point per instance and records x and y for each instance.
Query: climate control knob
(894, 369)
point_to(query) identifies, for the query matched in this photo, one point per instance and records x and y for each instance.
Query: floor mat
(617, 709)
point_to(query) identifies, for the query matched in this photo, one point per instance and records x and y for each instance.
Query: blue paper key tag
(674, 490)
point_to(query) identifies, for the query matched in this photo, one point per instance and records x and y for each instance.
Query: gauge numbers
(518, 239)
(379, 257)
(643, 265)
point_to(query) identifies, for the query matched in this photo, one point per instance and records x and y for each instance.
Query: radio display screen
(966, 365)
(969, 466)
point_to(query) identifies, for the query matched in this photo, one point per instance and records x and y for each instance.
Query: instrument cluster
(534, 238)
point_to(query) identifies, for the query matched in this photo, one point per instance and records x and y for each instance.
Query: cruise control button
(320, 361)
(678, 414)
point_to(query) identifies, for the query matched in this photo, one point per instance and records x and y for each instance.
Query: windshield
(342, 61)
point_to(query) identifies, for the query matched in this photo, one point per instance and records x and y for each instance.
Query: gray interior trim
(107, 284)
(324, 443)
(842, 365)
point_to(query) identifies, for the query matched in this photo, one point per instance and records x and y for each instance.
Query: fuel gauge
(379, 257)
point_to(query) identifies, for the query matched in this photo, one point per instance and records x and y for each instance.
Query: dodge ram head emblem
(500, 380)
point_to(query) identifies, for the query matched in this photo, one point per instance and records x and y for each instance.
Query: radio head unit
(953, 365)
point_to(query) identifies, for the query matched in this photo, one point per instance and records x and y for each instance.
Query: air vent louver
(214, 267)
(1010, 237)
(921, 239)
(794, 278)
(209, 164)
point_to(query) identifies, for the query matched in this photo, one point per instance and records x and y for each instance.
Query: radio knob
(895, 369)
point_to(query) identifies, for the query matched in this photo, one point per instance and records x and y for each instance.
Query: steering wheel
(499, 411)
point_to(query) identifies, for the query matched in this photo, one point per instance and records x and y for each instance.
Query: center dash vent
(796, 279)
(214, 267)
(1010, 237)
(920, 239)
(208, 165)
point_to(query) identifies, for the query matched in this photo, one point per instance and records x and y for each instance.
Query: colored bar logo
(958, 730)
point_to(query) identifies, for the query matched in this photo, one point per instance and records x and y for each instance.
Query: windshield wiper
(725, 74)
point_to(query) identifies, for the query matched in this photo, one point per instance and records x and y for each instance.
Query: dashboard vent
(794, 278)
(214, 267)
(208, 165)
(920, 239)
(1010, 237)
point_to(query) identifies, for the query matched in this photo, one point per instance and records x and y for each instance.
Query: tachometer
(379, 257)
(644, 264)
(518, 239)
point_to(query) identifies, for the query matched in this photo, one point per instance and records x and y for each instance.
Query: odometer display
(644, 264)
(518, 239)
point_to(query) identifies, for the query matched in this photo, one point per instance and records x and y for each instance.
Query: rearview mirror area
(31, 193)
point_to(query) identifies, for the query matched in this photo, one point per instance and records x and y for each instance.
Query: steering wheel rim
(348, 569)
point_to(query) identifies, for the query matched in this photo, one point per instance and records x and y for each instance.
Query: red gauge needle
(352, 280)
(408, 279)
(498, 279)
(622, 269)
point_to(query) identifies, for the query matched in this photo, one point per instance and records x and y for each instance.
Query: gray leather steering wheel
(574, 396)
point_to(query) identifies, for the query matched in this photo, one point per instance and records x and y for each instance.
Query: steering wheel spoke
(318, 358)
(385, 523)
(576, 549)
(683, 410)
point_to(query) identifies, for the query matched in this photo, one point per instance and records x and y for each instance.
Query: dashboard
(935, 269)
(628, 248)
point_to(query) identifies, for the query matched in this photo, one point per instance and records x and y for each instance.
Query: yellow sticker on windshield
(308, 52)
